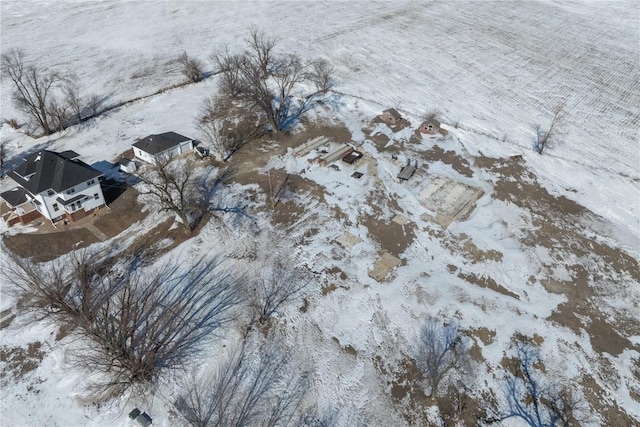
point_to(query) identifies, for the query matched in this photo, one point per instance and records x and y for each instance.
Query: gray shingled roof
(156, 144)
(45, 169)
(393, 112)
(15, 196)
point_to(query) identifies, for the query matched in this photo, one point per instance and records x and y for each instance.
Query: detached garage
(154, 147)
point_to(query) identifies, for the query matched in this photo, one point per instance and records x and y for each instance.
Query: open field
(546, 253)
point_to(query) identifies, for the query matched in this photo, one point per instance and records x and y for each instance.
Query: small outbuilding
(391, 117)
(155, 147)
(429, 127)
(127, 165)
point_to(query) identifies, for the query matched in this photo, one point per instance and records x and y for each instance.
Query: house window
(55, 207)
(72, 207)
(71, 191)
(50, 193)
(95, 196)
(93, 181)
(79, 204)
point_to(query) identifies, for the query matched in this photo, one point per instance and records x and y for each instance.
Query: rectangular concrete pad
(399, 219)
(383, 266)
(348, 240)
(448, 199)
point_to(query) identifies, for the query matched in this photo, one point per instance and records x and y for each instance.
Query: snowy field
(493, 69)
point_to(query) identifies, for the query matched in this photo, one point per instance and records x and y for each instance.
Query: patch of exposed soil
(487, 336)
(391, 236)
(568, 231)
(405, 386)
(19, 361)
(45, 247)
(464, 245)
(326, 290)
(458, 163)
(607, 409)
(489, 283)
(124, 212)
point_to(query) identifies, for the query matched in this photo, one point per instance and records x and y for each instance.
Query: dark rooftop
(156, 144)
(46, 169)
(15, 196)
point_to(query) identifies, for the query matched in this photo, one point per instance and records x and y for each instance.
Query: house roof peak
(45, 170)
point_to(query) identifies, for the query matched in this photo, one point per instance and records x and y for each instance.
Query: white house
(154, 147)
(56, 186)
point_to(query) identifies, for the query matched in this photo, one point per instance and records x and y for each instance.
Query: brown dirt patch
(570, 231)
(337, 272)
(605, 407)
(45, 247)
(459, 164)
(489, 283)
(391, 236)
(326, 290)
(464, 245)
(487, 336)
(19, 361)
(124, 212)
(456, 406)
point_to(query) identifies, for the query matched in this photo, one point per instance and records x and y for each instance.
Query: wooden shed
(391, 117)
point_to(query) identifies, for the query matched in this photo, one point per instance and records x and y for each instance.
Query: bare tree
(225, 133)
(73, 99)
(191, 67)
(173, 185)
(321, 75)
(535, 402)
(2, 156)
(231, 66)
(276, 285)
(432, 115)
(139, 321)
(158, 319)
(33, 87)
(441, 350)
(181, 187)
(267, 83)
(260, 48)
(252, 387)
(58, 113)
(67, 289)
(555, 129)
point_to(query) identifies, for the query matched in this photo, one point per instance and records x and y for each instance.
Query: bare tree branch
(33, 87)
(535, 402)
(260, 48)
(140, 321)
(276, 285)
(321, 74)
(252, 387)
(441, 349)
(191, 67)
(266, 83)
(555, 129)
(225, 133)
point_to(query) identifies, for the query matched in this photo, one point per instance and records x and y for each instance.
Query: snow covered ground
(493, 69)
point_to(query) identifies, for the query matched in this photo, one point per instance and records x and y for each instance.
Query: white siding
(88, 202)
